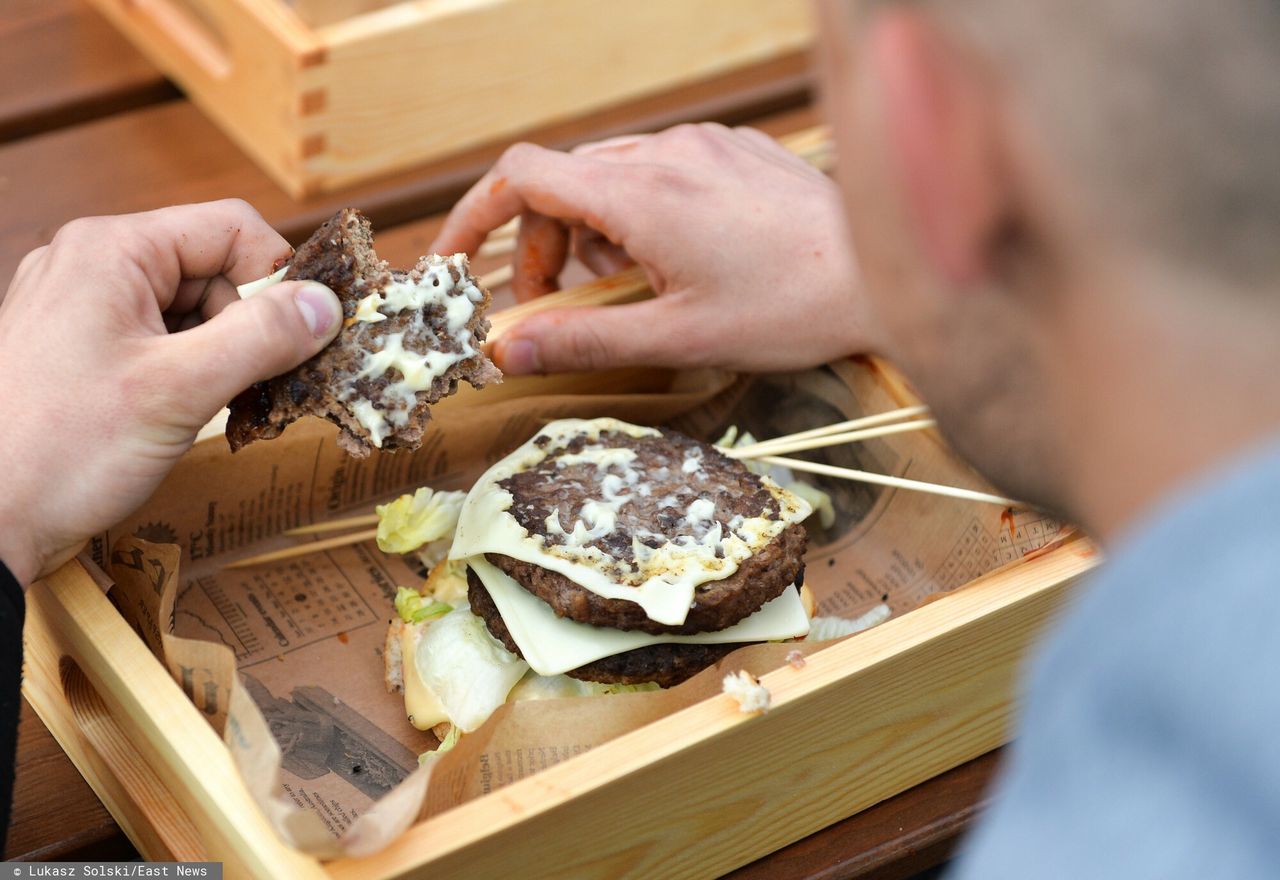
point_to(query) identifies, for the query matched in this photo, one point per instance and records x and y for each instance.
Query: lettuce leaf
(415, 608)
(426, 517)
(823, 629)
(468, 670)
(550, 687)
(447, 582)
(450, 740)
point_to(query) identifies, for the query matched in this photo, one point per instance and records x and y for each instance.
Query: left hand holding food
(118, 341)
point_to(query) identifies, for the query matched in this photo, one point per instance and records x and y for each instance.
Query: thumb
(253, 339)
(651, 333)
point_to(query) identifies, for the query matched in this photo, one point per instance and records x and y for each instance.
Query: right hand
(744, 244)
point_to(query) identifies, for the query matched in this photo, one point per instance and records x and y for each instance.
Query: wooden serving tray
(694, 794)
(325, 93)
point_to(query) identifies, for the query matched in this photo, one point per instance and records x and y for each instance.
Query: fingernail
(520, 356)
(317, 304)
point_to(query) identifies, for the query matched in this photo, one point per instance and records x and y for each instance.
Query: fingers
(225, 238)
(573, 189)
(653, 333)
(248, 341)
(597, 253)
(542, 247)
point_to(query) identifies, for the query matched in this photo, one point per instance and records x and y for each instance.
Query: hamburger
(600, 556)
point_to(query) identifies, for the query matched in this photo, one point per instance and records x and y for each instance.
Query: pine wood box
(325, 93)
(694, 794)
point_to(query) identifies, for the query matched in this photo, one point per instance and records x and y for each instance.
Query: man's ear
(940, 114)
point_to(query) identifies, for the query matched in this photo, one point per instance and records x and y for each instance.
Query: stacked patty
(643, 530)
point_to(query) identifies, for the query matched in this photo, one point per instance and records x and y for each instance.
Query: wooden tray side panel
(388, 97)
(42, 686)
(239, 62)
(140, 742)
(694, 794)
(708, 790)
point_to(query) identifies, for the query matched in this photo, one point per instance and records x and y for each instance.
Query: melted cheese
(663, 579)
(372, 418)
(420, 703)
(552, 645)
(253, 288)
(417, 371)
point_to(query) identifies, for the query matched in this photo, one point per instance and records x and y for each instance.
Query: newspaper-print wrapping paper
(323, 747)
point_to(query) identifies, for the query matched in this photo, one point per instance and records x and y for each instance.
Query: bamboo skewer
(907, 412)
(497, 277)
(785, 445)
(305, 549)
(611, 290)
(828, 470)
(334, 525)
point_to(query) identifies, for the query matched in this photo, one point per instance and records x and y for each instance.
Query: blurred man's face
(962, 337)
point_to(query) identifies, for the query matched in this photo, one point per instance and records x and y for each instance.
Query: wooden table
(87, 126)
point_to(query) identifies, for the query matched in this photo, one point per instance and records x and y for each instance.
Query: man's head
(1031, 184)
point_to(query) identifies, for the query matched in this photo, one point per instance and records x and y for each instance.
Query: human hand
(118, 341)
(744, 244)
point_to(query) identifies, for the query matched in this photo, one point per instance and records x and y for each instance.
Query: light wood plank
(141, 744)
(62, 64)
(709, 789)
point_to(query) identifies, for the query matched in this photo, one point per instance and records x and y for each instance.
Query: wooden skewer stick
(814, 467)
(496, 247)
(497, 277)
(335, 525)
(893, 415)
(305, 549)
(785, 445)
(510, 229)
(611, 290)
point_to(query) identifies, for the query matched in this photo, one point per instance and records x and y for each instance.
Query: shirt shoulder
(1147, 746)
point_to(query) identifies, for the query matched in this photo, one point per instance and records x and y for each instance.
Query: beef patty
(716, 604)
(677, 475)
(667, 665)
(408, 338)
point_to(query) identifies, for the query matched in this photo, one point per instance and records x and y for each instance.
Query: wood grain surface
(169, 153)
(62, 64)
(88, 126)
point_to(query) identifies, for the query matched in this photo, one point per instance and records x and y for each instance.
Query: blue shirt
(1149, 743)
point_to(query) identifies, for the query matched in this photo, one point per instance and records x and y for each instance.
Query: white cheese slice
(255, 287)
(420, 703)
(552, 645)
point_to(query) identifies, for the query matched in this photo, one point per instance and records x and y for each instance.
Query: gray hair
(1166, 111)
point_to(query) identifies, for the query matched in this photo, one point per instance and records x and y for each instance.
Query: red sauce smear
(1006, 518)
(343, 637)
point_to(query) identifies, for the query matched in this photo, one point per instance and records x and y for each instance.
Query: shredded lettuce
(468, 670)
(426, 519)
(820, 501)
(550, 687)
(450, 740)
(415, 608)
(822, 629)
(448, 582)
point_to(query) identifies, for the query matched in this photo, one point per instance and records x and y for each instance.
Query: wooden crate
(324, 93)
(694, 794)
